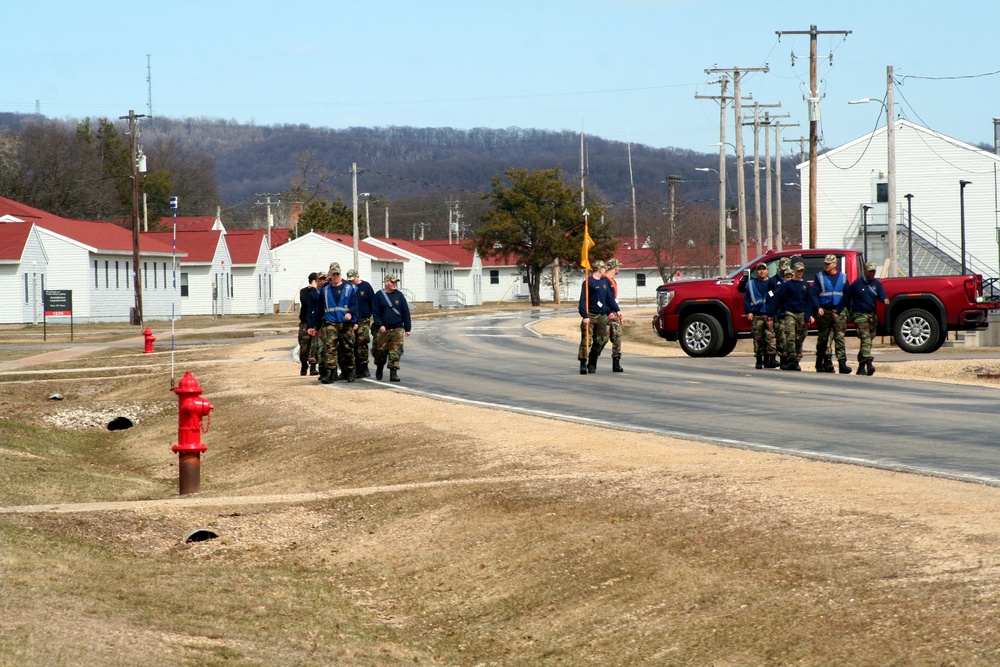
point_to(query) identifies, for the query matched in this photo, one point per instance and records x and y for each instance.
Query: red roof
(369, 249)
(458, 252)
(13, 237)
(244, 244)
(189, 223)
(200, 247)
(431, 254)
(101, 236)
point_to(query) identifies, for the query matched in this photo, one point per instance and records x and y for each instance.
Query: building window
(118, 279)
(26, 288)
(107, 274)
(524, 279)
(145, 275)
(165, 275)
(640, 280)
(494, 277)
(881, 193)
(97, 278)
(184, 284)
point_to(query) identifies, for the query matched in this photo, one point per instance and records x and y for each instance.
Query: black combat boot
(760, 361)
(784, 363)
(350, 375)
(862, 369)
(330, 376)
(305, 368)
(592, 363)
(820, 363)
(362, 371)
(772, 361)
(378, 371)
(583, 367)
(312, 368)
(616, 366)
(322, 372)
(871, 367)
(393, 375)
(828, 361)
(794, 365)
(844, 368)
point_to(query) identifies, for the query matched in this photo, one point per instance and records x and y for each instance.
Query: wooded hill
(417, 172)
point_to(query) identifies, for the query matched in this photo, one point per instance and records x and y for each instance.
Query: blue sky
(619, 69)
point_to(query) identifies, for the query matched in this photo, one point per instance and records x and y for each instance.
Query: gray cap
(870, 266)
(830, 259)
(334, 268)
(798, 266)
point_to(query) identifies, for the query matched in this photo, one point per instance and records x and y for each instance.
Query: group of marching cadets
(780, 309)
(341, 317)
(601, 319)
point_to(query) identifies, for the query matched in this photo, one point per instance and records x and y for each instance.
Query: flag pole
(586, 279)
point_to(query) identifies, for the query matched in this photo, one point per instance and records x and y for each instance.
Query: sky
(625, 70)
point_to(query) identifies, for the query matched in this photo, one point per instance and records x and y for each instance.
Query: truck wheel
(916, 331)
(701, 336)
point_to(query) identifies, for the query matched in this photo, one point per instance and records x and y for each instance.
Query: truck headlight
(663, 298)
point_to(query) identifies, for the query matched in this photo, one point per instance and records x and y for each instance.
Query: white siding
(928, 166)
(252, 285)
(311, 252)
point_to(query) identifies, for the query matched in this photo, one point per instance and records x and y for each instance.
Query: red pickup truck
(707, 316)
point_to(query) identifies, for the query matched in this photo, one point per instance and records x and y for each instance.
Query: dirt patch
(364, 526)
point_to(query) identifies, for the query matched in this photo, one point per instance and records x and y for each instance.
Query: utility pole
(813, 115)
(270, 217)
(767, 169)
(757, 106)
(354, 209)
(631, 180)
(133, 144)
(890, 138)
(721, 97)
(387, 222)
(777, 149)
(672, 200)
(740, 172)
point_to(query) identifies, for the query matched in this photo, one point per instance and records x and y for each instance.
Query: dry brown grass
(362, 527)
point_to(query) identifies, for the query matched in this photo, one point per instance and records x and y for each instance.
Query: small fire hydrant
(150, 339)
(190, 409)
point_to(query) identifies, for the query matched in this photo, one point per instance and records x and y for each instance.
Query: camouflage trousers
(307, 349)
(615, 335)
(336, 344)
(865, 325)
(763, 336)
(835, 328)
(779, 333)
(362, 337)
(388, 346)
(597, 331)
(794, 329)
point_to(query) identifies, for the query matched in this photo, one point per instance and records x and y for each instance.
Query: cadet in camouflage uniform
(828, 289)
(363, 330)
(597, 308)
(614, 326)
(392, 326)
(861, 298)
(307, 351)
(773, 285)
(755, 298)
(795, 298)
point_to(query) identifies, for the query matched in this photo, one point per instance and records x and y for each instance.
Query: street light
(722, 219)
(909, 232)
(864, 214)
(961, 196)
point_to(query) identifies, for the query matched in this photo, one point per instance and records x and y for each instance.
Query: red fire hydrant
(150, 339)
(190, 409)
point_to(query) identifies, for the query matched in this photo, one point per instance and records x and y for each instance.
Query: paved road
(939, 428)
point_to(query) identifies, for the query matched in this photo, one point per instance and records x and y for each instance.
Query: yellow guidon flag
(588, 243)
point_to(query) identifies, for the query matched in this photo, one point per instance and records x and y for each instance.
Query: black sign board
(58, 302)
